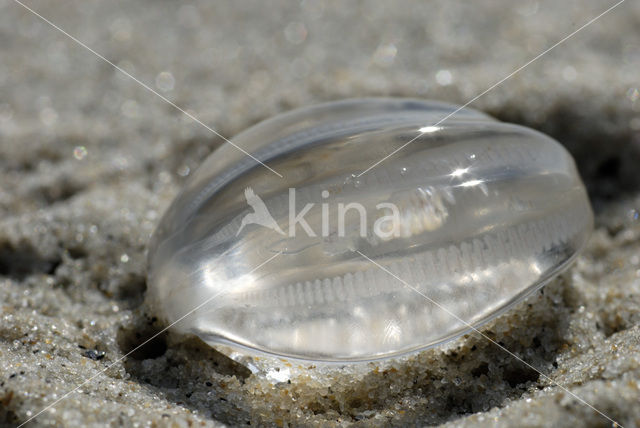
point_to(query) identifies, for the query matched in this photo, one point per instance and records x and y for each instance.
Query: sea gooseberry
(304, 250)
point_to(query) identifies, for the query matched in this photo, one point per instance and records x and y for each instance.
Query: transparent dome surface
(473, 215)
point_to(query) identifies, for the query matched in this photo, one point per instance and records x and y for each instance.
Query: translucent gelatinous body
(483, 213)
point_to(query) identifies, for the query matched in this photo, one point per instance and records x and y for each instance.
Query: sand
(89, 159)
